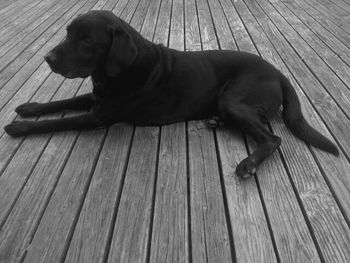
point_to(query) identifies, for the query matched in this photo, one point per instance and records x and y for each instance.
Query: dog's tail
(296, 122)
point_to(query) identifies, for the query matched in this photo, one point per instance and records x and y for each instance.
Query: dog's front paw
(246, 168)
(17, 128)
(29, 109)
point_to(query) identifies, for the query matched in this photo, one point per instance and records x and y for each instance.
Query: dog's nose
(50, 58)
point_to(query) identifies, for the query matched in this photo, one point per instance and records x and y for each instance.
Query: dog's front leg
(22, 128)
(82, 102)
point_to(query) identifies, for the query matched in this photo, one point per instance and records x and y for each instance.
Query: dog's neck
(141, 73)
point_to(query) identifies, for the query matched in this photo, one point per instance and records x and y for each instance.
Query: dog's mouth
(69, 74)
(73, 75)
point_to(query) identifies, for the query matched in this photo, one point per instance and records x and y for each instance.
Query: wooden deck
(169, 194)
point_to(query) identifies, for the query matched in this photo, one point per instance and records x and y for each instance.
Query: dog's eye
(86, 41)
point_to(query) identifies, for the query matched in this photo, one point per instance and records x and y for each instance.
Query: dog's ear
(122, 52)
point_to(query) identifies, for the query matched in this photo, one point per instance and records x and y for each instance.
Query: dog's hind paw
(246, 168)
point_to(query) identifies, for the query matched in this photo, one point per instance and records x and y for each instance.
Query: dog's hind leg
(235, 113)
(82, 102)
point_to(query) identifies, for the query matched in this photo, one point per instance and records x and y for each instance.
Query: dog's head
(97, 40)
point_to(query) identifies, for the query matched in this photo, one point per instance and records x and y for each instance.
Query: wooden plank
(329, 226)
(9, 147)
(8, 20)
(277, 211)
(210, 241)
(131, 234)
(149, 24)
(335, 168)
(333, 12)
(280, 202)
(192, 36)
(317, 200)
(238, 31)
(16, 244)
(330, 40)
(163, 23)
(337, 32)
(251, 236)
(12, 10)
(170, 224)
(16, 26)
(40, 181)
(140, 14)
(14, 83)
(207, 32)
(38, 26)
(91, 235)
(325, 105)
(344, 5)
(169, 241)
(209, 232)
(326, 54)
(90, 241)
(28, 89)
(328, 13)
(131, 230)
(49, 241)
(19, 58)
(330, 81)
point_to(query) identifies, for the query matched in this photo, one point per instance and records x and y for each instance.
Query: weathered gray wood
(251, 236)
(18, 240)
(14, 10)
(326, 23)
(280, 202)
(163, 22)
(16, 58)
(132, 228)
(330, 81)
(91, 235)
(32, 30)
(209, 231)
(337, 15)
(252, 239)
(49, 242)
(170, 221)
(343, 5)
(317, 27)
(17, 25)
(80, 228)
(209, 235)
(329, 226)
(14, 80)
(323, 51)
(335, 120)
(15, 175)
(325, 105)
(131, 231)
(26, 212)
(313, 192)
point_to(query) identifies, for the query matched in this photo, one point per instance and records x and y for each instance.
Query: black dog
(142, 83)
